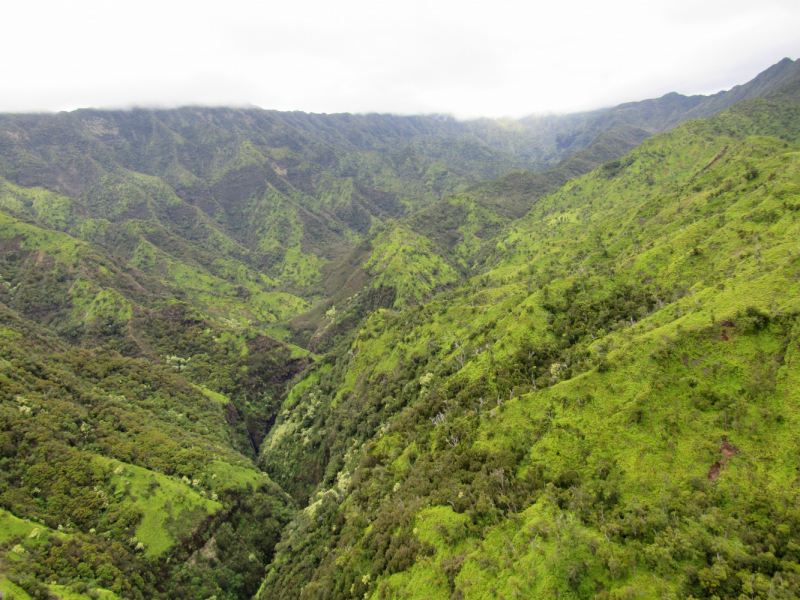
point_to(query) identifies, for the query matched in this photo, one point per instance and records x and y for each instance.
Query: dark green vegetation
(308, 356)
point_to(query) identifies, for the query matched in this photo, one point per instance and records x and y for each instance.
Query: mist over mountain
(250, 353)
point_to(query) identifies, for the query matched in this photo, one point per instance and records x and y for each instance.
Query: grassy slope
(394, 267)
(90, 407)
(222, 221)
(134, 463)
(459, 230)
(462, 225)
(609, 412)
(435, 247)
(278, 192)
(92, 297)
(217, 275)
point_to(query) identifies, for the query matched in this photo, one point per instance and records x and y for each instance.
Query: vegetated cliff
(458, 229)
(608, 410)
(487, 346)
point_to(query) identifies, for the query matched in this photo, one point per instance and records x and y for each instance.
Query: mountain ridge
(552, 424)
(238, 357)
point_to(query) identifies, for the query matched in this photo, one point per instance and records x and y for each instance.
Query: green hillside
(128, 423)
(250, 353)
(112, 463)
(609, 411)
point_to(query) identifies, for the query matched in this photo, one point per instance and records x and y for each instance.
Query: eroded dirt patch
(727, 450)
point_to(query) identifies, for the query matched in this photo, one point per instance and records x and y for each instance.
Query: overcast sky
(467, 58)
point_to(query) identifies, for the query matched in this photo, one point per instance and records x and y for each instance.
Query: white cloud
(468, 58)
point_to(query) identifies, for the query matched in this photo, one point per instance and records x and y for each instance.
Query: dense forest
(246, 353)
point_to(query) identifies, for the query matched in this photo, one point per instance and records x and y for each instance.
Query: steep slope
(218, 275)
(463, 224)
(459, 231)
(463, 440)
(244, 185)
(115, 472)
(264, 199)
(393, 268)
(128, 465)
(610, 411)
(441, 244)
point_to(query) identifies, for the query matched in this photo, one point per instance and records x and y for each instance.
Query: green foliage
(115, 452)
(541, 385)
(405, 262)
(169, 508)
(609, 411)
